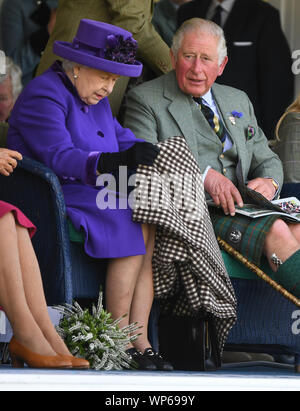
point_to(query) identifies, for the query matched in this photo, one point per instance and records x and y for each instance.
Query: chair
(266, 320)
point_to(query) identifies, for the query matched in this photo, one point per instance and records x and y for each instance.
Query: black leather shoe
(160, 363)
(139, 361)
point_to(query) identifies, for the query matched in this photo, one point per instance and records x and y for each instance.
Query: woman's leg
(34, 293)
(121, 278)
(143, 295)
(129, 289)
(12, 295)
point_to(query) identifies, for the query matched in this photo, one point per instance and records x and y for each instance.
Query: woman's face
(93, 85)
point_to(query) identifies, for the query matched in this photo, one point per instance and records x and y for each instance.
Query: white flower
(232, 120)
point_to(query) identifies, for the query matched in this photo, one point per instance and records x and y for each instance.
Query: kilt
(245, 234)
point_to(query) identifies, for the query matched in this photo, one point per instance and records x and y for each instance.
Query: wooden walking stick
(258, 272)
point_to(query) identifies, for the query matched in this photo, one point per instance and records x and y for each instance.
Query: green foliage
(95, 336)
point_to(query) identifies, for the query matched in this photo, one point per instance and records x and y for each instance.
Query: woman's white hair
(68, 65)
(201, 26)
(15, 73)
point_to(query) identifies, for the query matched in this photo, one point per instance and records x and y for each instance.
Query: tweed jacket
(287, 147)
(254, 36)
(132, 15)
(158, 109)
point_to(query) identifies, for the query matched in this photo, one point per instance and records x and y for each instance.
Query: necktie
(217, 15)
(216, 124)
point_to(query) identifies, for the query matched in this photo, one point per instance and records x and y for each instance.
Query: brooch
(233, 115)
(250, 132)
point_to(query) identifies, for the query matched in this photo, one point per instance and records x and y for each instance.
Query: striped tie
(216, 124)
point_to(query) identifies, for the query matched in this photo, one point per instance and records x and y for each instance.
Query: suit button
(221, 156)
(100, 134)
(224, 170)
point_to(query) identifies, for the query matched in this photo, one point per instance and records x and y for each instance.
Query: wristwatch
(274, 184)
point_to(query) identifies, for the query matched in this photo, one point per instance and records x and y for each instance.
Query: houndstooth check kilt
(187, 262)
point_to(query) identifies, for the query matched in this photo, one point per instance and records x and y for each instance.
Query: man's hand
(8, 161)
(264, 186)
(223, 192)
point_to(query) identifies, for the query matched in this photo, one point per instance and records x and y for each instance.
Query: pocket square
(242, 43)
(250, 133)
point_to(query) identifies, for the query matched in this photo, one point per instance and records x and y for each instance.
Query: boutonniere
(233, 115)
(250, 132)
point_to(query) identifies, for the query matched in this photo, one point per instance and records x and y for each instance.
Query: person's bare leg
(34, 292)
(121, 280)
(143, 295)
(120, 283)
(295, 229)
(281, 241)
(12, 295)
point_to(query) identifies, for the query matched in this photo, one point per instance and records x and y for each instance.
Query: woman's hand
(140, 153)
(8, 161)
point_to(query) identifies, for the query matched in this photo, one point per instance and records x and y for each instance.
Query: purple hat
(102, 46)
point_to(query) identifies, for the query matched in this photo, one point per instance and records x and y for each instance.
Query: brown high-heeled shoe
(21, 355)
(78, 363)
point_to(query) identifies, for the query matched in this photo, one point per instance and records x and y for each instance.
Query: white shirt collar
(208, 98)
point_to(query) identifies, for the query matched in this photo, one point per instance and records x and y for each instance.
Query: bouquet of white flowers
(95, 336)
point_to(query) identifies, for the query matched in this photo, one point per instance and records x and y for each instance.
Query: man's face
(197, 65)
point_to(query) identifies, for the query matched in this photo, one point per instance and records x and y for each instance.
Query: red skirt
(19, 216)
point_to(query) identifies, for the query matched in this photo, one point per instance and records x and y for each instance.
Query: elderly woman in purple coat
(63, 119)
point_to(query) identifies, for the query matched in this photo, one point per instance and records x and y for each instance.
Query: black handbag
(189, 343)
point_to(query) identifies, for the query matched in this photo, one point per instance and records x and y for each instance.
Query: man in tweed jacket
(132, 15)
(165, 107)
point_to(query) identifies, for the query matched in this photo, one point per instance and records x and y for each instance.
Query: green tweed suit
(132, 15)
(158, 109)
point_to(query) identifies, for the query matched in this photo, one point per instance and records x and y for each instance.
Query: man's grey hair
(201, 26)
(15, 73)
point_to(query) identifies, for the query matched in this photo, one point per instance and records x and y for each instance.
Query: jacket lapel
(236, 133)
(181, 109)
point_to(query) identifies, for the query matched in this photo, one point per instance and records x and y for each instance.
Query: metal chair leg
(297, 363)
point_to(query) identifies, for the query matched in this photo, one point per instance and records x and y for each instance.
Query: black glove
(139, 153)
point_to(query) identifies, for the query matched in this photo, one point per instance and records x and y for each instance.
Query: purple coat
(51, 124)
